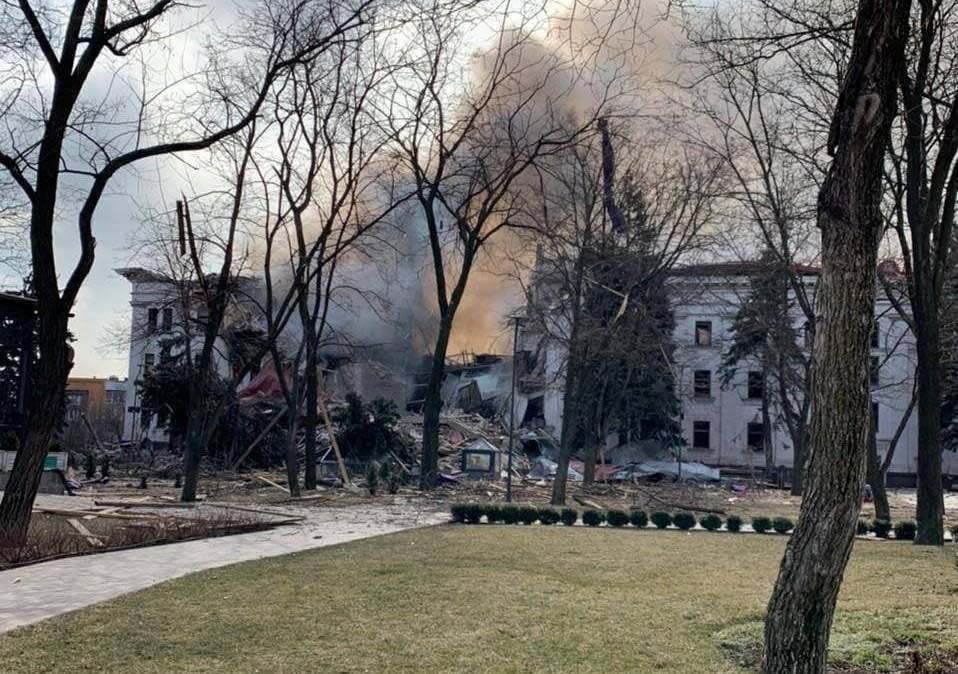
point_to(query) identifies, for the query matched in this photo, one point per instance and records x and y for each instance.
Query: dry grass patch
(483, 599)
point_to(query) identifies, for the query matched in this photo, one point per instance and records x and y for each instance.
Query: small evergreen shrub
(458, 512)
(733, 524)
(569, 516)
(906, 530)
(661, 520)
(881, 528)
(617, 518)
(711, 522)
(392, 486)
(474, 513)
(510, 514)
(782, 525)
(493, 513)
(548, 516)
(592, 518)
(528, 515)
(862, 528)
(761, 525)
(639, 519)
(683, 521)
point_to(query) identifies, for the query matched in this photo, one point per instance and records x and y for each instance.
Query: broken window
(874, 374)
(703, 333)
(755, 437)
(151, 318)
(876, 334)
(148, 360)
(167, 319)
(702, 384)
(756, 385)
(875, 417)
(701, 434)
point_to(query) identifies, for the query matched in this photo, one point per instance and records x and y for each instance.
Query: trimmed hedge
(548, 516)
(661, 520)
(761, 525)
(493, 513)
(474, 513)
(733, 524)
(510, 514)
(639, 519)
(906, 530)
(458, 512)
(684, 521)
(592, 518)
(617, 518)
(711, 522)
(569, 516)
(782, 525)
(528, 514)
(862, 528)
(881, 528)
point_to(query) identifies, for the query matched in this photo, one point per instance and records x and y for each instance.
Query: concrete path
(39, 591)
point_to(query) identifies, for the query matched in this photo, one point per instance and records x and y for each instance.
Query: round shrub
(617, 518)
(661, 520)
(528, 514)
(493, 513)
(862, 528)
(782, 525)
(733, 524)
(458, 512)
(711, 522)
(569, 516)
(683, 521)
(509, 514)
(905, 531)
(881, 528)
(639, 519)
(761, 524)
(548, 515)
(592, 518)
(474, 513)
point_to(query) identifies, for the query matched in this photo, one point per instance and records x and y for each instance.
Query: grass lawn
(497, 599)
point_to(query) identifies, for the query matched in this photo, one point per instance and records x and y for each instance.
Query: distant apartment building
(722, 423)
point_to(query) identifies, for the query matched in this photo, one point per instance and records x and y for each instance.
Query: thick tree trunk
(930, 510)
(311, 418)
(802, 606)
(45, 404)
(431, 407)
(192, 457)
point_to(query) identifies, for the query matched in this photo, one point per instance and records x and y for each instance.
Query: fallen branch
(86, 533)
(271, 483)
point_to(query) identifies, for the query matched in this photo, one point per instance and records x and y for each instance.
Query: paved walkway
(39, 591)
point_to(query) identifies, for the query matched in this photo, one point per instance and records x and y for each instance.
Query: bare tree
(802, 605)
(73, 47)
(467, 141)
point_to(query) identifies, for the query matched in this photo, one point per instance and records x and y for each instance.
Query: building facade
(722, 421)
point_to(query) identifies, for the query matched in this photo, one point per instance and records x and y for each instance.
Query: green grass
(495, 599)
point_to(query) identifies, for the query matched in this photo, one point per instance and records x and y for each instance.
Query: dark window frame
(755, 429)
(702, 383)
(699, 428)
(755, 388)
(703, 333)
(167, 319)
(152, 319)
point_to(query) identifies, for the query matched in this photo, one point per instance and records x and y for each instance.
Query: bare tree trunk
(930, 510)
(311, 418)
(45, 405)
(802, 606)
(432, 406)
(292, 458)
(876, 478)
(767, 429)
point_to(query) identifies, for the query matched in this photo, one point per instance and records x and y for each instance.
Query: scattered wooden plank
(97, 513)
(86, 533)
(145, 504)
(271, 483)
(587, 503)
(261, 511)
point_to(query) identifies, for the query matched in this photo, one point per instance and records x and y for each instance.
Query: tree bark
(876, 478)
(432, 406)
(930, 510)
(802, 606)
(311, 418)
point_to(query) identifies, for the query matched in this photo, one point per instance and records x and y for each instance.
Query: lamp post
(512, 409)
